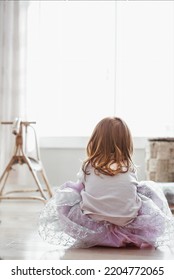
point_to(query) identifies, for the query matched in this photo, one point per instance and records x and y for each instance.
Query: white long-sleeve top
(110, 198)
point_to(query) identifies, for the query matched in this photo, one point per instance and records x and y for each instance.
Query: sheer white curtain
(13, 58)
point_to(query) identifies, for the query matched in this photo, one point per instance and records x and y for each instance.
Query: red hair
(110, 143)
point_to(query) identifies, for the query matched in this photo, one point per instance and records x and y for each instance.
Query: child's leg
(68, 195)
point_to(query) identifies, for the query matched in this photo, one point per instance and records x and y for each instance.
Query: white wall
(63, 164)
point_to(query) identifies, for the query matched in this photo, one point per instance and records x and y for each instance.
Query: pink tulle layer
(63, 223)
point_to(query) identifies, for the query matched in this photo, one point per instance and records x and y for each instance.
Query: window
(145, 66)
(92, 59)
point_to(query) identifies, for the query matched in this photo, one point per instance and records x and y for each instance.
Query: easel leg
(46, 182)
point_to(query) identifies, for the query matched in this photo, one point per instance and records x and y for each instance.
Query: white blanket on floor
(168, 189)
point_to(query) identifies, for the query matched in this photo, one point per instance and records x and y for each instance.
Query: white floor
(19, 239)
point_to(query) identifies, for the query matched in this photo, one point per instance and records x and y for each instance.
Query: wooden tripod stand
(20, 157)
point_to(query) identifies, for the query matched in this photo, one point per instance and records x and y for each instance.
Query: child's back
(111, 198)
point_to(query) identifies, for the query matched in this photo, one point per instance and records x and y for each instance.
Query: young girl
(107, 206)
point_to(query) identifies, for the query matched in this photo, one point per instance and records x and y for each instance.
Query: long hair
(110, 143)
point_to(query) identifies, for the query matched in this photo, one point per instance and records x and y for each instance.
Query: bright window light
(92, 59)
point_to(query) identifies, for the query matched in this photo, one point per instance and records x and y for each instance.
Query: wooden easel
(20, 157)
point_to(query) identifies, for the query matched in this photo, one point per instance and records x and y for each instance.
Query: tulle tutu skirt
(63, 223)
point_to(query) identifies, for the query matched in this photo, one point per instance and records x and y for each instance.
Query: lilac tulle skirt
(63, 223)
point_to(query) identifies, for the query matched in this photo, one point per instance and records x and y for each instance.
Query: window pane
(145, 66)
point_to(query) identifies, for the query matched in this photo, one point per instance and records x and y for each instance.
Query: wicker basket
(160, 159)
